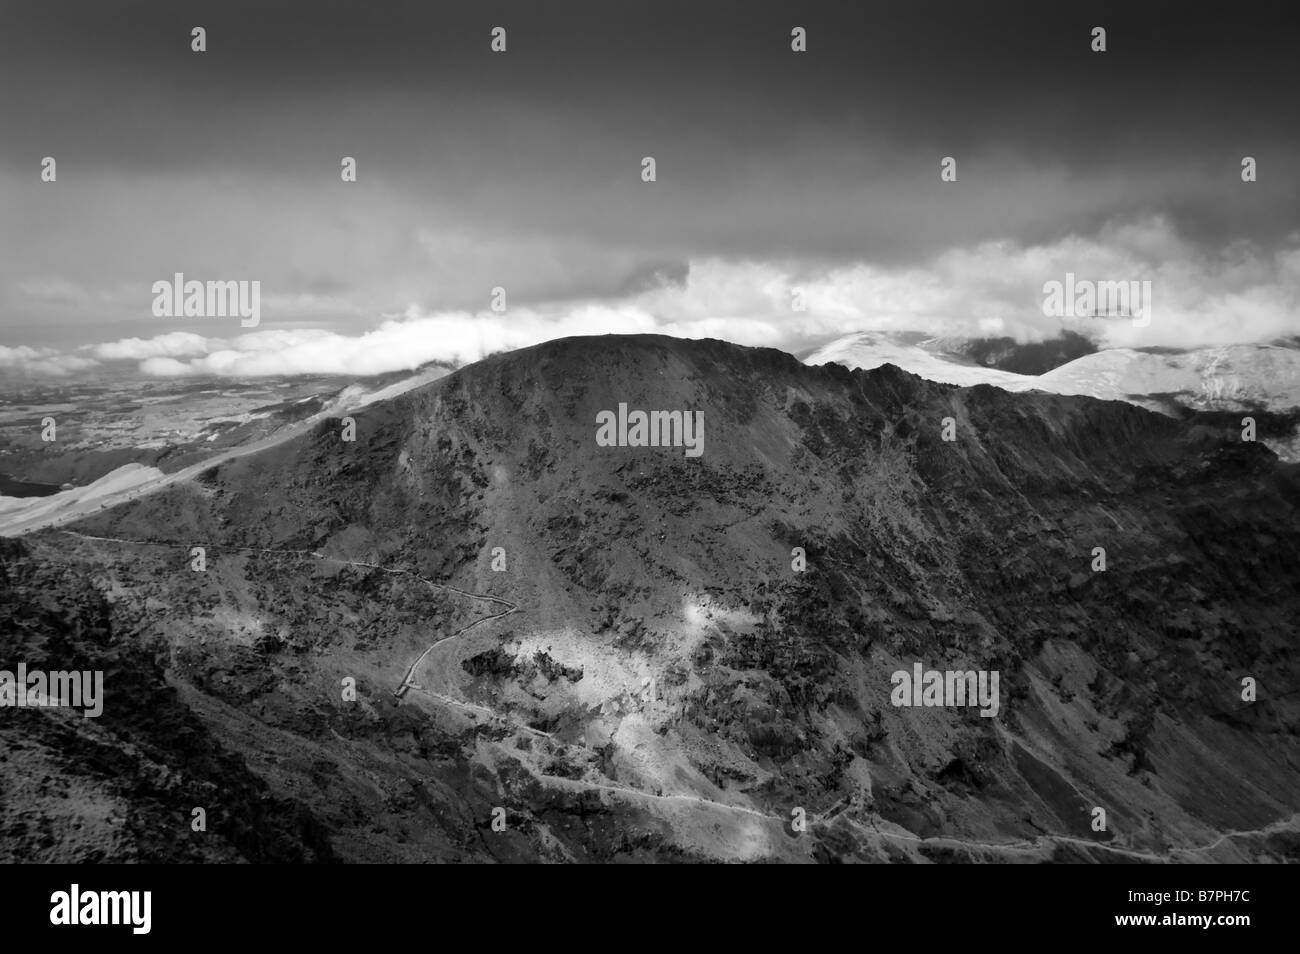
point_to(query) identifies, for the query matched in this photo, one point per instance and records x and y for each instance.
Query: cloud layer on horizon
(1240, 294)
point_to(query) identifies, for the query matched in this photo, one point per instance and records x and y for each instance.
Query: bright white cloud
(174, 344)
(41, 361)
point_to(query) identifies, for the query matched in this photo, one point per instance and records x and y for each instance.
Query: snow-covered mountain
(1233, 377)
(932, 359)
(1227, 378)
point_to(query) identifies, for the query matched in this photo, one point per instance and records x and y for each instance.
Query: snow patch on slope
(867, 351)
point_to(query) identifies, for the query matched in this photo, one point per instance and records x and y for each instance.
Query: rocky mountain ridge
(668, 684)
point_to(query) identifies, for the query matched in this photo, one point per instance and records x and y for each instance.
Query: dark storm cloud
(522, 169)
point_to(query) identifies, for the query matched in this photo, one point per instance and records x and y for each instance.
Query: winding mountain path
(407, 680)
(1032, 845)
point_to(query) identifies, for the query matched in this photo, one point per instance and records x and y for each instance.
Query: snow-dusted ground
(867, 351)
(21, 510)
(1207, 378)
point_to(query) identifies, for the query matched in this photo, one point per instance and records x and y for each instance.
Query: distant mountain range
(1257, 379)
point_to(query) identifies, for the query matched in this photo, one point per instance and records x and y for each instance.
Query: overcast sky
(776, 170)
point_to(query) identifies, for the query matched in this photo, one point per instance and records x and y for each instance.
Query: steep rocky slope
(649, 678)
(121, 786)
